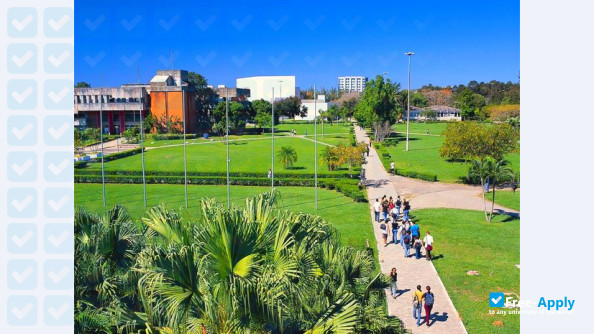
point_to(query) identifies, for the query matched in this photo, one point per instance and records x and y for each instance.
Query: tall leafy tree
(290, 107)
(205, 101)
(378, 103)
(469, 103)
(263, 113)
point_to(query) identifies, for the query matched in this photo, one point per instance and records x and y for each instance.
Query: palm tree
(287, 156)
(494, 172)
(253, 269)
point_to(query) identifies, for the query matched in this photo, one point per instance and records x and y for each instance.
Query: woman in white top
(428, 242)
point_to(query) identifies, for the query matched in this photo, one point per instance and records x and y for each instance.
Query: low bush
(80, 164)
(170, 136)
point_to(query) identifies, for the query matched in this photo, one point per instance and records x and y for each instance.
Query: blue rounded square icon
(496, 299)
(22, 22)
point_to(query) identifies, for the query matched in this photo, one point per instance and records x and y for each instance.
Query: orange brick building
(172, 98)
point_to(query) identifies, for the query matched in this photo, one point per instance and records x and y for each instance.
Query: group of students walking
(406, 233)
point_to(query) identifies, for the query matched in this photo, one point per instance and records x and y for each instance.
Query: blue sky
(454, 41)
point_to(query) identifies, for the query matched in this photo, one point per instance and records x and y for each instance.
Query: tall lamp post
(408, 112)
(227, 126)
(272, 130)
(315, 146)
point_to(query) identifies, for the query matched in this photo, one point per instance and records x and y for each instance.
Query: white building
(261, 87)
(320, 105)
(352, 83)
(442, 113)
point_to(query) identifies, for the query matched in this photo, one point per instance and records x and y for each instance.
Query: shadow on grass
(295, 168)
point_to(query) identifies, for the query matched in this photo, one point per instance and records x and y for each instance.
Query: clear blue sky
(454, 41)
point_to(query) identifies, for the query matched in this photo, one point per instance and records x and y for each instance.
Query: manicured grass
(423, 157)
(351, 219)
(252, 156)
(463, 242)
(508, 199)
(434, 128)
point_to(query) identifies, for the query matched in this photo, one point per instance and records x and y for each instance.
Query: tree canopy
(290, 107)
(378, 103)
(473, 140)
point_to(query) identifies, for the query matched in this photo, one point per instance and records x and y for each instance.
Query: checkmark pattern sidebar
(36, 167)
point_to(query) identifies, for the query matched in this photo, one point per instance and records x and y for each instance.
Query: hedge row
(92, 172)
(168, 136)
(119, 155)
(348, 187)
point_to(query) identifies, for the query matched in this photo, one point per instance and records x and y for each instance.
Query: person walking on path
(405, 228)
(429, 300)
(417, 245)
(415, 230)
(398, 204)
(428, 241)
(406, 208)
(385, 227)
(406, 243)
(394, 279)
(269, 173)
(417, 304)
(394, 213)
(395, 231)
(385, 207)
(376, 209)
(392, 167)
(367, 150)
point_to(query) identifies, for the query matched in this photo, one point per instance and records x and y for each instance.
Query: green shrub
(80, 164)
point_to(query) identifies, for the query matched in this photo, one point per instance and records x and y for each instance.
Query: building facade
(121, 107)
(352, 83)
(441, 113)
(261, 87)
(167, 96)
(315, 107)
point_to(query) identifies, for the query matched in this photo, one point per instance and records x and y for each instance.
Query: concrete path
(411, 272)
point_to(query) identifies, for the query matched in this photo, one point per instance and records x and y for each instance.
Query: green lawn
(338, 132)
(245, 156)
(463, 242)
(351, 219)
(434, 128)
(508, 199)
(423, 156)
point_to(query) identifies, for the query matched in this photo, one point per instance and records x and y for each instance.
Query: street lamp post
(315, 147)
(227, 125)
(409, 54)
(101, 137)
(272, 130)
(185, 151)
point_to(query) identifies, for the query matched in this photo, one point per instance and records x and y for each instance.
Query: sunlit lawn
(351, 219)
(463, 242)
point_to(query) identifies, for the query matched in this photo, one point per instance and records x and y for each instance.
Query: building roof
(160, 78)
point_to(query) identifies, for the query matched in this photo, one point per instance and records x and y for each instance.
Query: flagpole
(185, 152)
(101, 137)
(272, 169)
(227, 119)
(315, 146)
(141, 138)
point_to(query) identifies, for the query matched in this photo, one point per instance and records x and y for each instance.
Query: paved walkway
(411, 272)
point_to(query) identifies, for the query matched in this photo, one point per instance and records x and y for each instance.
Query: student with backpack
(417, 304)
(395, 231)
(415, 230)
(398, 204)
(417, 246)
(385, 208)
(406, 209)
(385, 230)
(406, 243)
(429, 300)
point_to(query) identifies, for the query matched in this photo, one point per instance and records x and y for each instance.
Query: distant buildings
(441, 113)
(234, 93)
(352, 83)
(320, 105)
(261, 87)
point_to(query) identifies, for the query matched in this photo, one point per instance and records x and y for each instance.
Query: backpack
(429, 298)
(383, 226)
(398, 202)
(406, 239)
